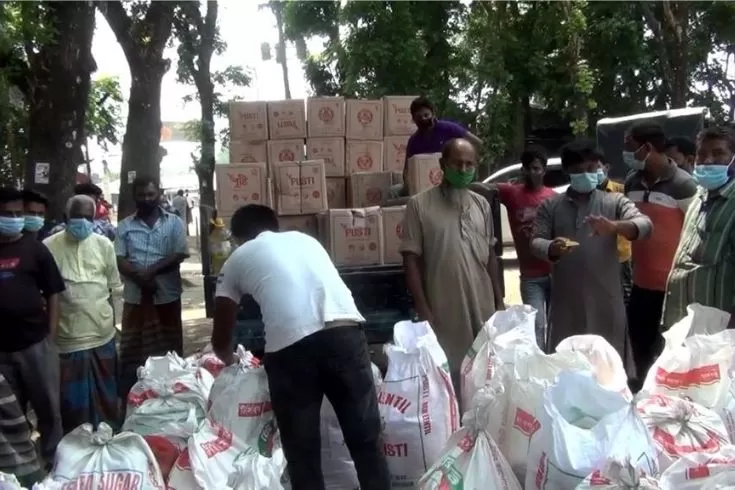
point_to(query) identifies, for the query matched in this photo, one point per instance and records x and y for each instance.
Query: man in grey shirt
(577, 232)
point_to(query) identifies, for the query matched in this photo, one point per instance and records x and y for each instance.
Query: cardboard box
(305, 224)
(369, 189)
(239, 184)
(300, 187)
(248, 121)
(331, 150)
(354, 236)
(364, 119)
(394, 153)
(248, 151)
(287, 119)
(325, 116)
(392, 234)
(363, 156)
(398, 120)
(336, 192)
(284, 151)
(423, 172)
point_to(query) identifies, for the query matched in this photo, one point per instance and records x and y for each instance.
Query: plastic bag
(506, 332)
(525, 382)
(338, 469)
(700, 320)
(471, 459)
(417, 403)
(182, 476)
(619, 476)
(605, 360)
(9, 482)
(213, 450)
(582, 425)
(680, 427)
(697, 470)
(252, 471)
(207, 359)
(86, 458)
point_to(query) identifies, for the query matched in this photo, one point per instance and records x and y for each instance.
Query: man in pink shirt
(522, 201)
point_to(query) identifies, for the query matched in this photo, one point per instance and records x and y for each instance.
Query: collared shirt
(100, 226)
(665, 202)
(89, 269)
(433, 140)
(624, 251)
(143, 246)
(703, 269)
(295, 283)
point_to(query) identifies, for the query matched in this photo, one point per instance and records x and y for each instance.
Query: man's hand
(602, 226)
(558, 247)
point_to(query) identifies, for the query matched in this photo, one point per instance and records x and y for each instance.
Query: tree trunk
(282, 51)
(60, 84)
(140, 151)
(205, 169)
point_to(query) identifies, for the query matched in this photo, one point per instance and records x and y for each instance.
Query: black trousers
(334, 362)
(644, 321)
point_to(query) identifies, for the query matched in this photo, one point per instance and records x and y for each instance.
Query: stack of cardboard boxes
(326, 167)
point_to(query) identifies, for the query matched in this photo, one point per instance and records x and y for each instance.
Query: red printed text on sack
(220, 444)
(253, 409)
(109, 480)
(541, 472)
(705, 375)
(697, 472)
(596, 478)
(396, 401)
(671, 447)
(425, 416)
(137, 399)
(526, 422)
(396, 450)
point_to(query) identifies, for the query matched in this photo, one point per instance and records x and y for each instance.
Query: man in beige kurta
(451, 268)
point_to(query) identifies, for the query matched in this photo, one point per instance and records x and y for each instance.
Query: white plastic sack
(253, 471)
(697, 470)
(9, 482)
(680, 427)
(619, 476)
(213, 450)
(417, 403)
(338, 469)
(700, 320)
(507, 331)
(521, 404)
(471, 459)
(207, 359)
(699, 370)
(182, 476)
(240, 402)
(606, 361)
(583, 425)
(86, 458)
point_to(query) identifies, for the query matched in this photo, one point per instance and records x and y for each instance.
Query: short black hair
(718, 133)
(10, 194)
(180, 192)
(143, 181)
(579, 151)
(533, 153)
(250, 220)
(29, 195)
(683, 144)
(649, 132)
(421, 103)
(88, 189)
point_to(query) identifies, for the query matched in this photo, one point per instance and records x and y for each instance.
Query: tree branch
(121, 25)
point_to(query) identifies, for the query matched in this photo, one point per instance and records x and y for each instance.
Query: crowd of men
(60, 353)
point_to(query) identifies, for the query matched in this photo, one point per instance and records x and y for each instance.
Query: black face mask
(146, 207)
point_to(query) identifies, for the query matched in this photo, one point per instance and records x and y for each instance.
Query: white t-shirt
(292, 278)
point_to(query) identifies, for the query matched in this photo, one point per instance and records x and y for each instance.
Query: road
(198, 328)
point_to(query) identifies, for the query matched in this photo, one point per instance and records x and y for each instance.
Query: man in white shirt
(313, 344)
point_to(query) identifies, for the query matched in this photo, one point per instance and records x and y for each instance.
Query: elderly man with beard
(451, 268)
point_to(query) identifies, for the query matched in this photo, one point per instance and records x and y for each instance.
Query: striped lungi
(147, 330)
(17, 453)
(89, 391)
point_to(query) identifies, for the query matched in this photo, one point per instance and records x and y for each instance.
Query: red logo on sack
(596, 478)
(326, 114)
(137, 399)
(253, 409)
(399, 230)
(238, 180)
(374, 195)
(435, 176)
(697, 472)
(365, 116)
(526, 423)
(670, 446)
(364, 162)
(286, 156)
(221, 443)
(705, 375)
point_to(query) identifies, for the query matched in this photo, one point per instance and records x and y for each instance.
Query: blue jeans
(536, 291)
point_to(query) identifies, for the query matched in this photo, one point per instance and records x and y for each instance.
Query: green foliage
(104, 111)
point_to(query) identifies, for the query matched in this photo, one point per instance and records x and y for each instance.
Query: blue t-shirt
(433, 140)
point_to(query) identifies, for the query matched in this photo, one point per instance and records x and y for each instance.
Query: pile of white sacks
(541, 422)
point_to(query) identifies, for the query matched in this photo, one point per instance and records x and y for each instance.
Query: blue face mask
(34, 223)
(11, 226)
(632, 162)
(79, 228)
(601, 176)
(584, 182)
(711, 176)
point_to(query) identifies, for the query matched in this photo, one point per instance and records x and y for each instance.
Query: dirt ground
(198, 328)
